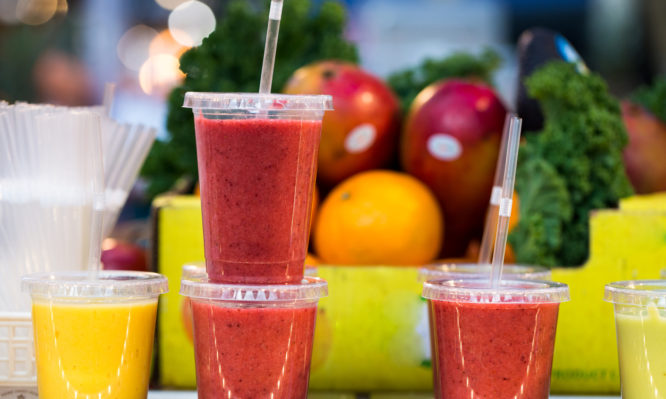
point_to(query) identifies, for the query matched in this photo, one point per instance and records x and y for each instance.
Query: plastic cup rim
(630, 292)
(308, 290)
(257, 102)
(432, 271)
(108, 284)
(478, 290)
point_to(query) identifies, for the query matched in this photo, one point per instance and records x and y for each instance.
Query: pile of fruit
(406, 165)
(400, 189)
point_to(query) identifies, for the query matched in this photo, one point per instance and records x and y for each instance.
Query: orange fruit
(311, 260)
(315, 205)
(513, 219)
(379, 217)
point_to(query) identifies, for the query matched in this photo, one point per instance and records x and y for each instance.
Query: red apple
(122, 255)
(361, 133)
(450, 141)
(644, 155)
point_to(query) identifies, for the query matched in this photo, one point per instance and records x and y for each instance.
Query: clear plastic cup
(257, 158)
(640, 321)
(494, 343)
(94, 337)
(457, 271)
(253, 341)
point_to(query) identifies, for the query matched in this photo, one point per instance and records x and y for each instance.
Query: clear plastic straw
(107, 102)
(490, 227)
(506, 199)
(274, 17)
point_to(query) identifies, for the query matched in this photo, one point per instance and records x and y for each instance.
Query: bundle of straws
(124, 149)
(63, 171)
(51, 194)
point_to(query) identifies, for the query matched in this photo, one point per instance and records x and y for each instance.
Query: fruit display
(644, 155)
(378, 218)
(559, 188)
(361, 131)
(450, 141)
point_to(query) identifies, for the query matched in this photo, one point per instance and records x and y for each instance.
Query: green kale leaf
(576, 158)
(409, 82)
(653, 98)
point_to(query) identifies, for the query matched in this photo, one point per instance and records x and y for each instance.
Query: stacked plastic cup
(457, 271)
(493, 342)
(254, 311)
(94, 335)
(640, 320)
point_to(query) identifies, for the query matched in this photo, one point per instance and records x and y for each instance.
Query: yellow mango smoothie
(640, 321)
(95, 340)
(121, 335)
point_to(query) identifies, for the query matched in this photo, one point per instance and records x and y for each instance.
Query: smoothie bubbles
(493, 327)
(640, 320)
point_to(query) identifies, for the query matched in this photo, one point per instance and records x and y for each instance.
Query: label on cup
(18, 392)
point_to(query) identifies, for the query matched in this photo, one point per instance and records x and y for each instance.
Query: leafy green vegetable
(409, 82)
(573, 166)
(653, 98)
(229, 60)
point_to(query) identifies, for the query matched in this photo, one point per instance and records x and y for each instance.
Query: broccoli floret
(573, 166)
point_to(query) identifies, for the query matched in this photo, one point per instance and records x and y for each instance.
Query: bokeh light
(134, 46)
(169, 4)
(159, 74)
(8, 11)
(164, 43)
(36, 12)
(191, 22)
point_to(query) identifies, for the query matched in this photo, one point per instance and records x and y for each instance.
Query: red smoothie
(256, 180)
(493, 350)
(252, 352)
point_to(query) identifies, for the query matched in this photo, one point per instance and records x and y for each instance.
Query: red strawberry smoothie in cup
(257, 167)
(494, 344)
(253, 341)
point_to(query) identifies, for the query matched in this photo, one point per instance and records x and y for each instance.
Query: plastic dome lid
(257, 102)
(310, 289)
(509, 291)
(107, 284)
(636, 292)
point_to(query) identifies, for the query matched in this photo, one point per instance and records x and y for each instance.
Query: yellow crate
(372, 332)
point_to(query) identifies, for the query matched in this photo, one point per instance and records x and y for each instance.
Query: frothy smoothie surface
(252, 353)
(493, 350)
(256, 179)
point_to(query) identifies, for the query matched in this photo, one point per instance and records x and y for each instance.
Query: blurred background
(64, 51)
